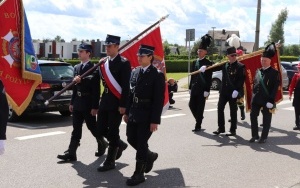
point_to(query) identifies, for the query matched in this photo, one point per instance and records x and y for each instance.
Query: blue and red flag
(19, 70)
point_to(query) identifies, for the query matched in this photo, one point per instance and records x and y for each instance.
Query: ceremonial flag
(152, 38)
(252, 64)
(19, 70)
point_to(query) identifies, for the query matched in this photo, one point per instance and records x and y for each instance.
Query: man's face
(231, 57)
(83, 55)
(265, 62)
(112, 50)
(201, 53)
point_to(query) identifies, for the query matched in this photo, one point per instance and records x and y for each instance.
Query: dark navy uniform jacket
(86, 94)
(120, 69)
(202, 81)
(146, 98)
(271, 81)
(233, 78)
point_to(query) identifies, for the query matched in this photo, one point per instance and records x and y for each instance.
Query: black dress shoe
(261, 125)
(296, 128)
(253, 139)
(196, 130)
(261, 141)
(218, 132)
(230, 133)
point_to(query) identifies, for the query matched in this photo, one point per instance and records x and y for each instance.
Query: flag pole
(104, 59)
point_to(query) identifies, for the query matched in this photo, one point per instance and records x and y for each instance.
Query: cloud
(94, 19)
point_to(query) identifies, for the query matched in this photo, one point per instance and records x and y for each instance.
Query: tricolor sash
(110, 81)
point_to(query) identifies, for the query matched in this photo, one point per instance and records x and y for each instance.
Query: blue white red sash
(110, 81)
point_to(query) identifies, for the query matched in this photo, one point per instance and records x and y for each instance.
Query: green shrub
(289, 58)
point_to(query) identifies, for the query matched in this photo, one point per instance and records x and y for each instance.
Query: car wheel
(65, 113)
(215, 84)
(12, 116)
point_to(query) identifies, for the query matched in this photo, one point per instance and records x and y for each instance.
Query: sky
(94, 19)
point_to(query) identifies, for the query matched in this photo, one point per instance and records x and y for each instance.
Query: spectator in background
(295, 87)
(172, 87)
(3, 117)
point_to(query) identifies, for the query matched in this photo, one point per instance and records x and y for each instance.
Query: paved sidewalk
(181, 83)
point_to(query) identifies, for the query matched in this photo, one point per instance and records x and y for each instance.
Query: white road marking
(211, 110)
(284, 102)
(289, 108)
(173, 115)
(39, 135)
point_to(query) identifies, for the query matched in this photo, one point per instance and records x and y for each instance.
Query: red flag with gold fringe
(252, 64)
(152, 38)
(19, 70)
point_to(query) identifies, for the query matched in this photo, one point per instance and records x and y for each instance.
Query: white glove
(189, 91)
(202, 69)
(2, 147)
(234, 94)
(205, 94)
(269, 105)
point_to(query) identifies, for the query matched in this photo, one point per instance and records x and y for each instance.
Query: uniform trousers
(78, 118)
(223, 99)
(138, 135)
(267, 117)
(296, 104)
(109, 122)
(197, 105)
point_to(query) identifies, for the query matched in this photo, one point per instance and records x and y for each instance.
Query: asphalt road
(185, 159)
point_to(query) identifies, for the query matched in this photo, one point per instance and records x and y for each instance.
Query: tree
(167, 49)
(292, 50)
(277, 29)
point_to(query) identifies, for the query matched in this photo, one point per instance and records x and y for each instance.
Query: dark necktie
(81, 68)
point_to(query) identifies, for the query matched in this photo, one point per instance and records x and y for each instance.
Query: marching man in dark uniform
(84, 104)
(232, 86)
(115, 73)
(3, 117)
(265, 88)
(147, 86)
(295, 87)
(200, 83)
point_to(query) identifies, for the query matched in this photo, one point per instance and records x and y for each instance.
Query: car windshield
(56, 71)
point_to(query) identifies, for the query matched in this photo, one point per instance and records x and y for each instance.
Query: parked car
(55, 76)
(290, 68)
(217, 79)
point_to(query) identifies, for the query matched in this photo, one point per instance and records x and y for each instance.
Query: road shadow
(274, 144)
(114, 178)
(172, 108)
(42, 121)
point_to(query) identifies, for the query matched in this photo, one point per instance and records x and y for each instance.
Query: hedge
(182, 65)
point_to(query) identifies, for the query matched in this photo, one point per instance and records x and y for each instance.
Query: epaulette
(124, 59)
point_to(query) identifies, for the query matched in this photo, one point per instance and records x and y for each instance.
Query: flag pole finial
(163, 18)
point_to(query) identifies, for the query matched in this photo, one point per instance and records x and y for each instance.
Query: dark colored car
(290, 68)
(55, 76)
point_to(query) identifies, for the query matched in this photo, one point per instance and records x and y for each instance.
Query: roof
(249, 46)
(222, 34)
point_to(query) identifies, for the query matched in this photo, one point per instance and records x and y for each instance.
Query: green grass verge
(177, 75)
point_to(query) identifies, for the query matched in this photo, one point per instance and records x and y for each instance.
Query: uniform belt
(138, 100)
(81, 94)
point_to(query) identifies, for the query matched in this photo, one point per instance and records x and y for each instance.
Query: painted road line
(284, 102)
(27, 127)
(40, 135)
(211, 110)
(289, 108)
(171, 116)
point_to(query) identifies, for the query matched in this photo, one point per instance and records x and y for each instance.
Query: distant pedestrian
(3, 117)
(172, 88)
(295, 87)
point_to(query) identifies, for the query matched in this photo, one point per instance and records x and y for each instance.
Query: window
(74, 48)
(50, 50)
(103, 48)
(218, 42)
(62, 51)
